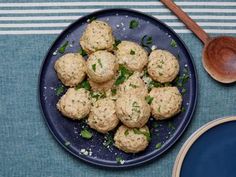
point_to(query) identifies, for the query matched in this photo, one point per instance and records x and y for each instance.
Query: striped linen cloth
(28, 28)
(53, 17)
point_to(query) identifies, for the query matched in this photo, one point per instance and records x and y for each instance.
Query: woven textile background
(27, 29)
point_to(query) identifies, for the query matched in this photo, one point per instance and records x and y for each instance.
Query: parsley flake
(100, 63)
(133, 24)
(173, 43)
(138, 132)
(85, 84)
(59, 90)
(63, 47)
(113, 92)
(132, 52)
(94, 67)
(82, 52)
(126, 132)
(117, 42)
(86, 134)
(124, 74)
(158, 145)
(149, 99)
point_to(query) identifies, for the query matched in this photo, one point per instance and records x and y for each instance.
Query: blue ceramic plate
(210, 151)
(164, 133)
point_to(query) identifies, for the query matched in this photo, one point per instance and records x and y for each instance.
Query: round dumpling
(134, 84)
(75, 104)
(166, 102)
(132, 110)
(103, 116)
(71, 69)
(97, 36)
(132, 55)
(163, 66)
(132, 140)
(101, 66)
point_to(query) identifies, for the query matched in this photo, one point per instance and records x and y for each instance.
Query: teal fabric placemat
(28, 28)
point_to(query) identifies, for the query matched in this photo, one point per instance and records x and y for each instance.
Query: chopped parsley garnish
(124, 74)
(91, 19)
(159, 109)
(117, 42)
(100, 63)
(173, 43)
(138, 132)
(145, 41)
(98, 95)
(182, 80)
(155, 124)
(63, 47)
(183, 109)
(132, 52)
(171, 126)
(119, 160)
(149, 99)
(108, 140)
(59, 90)
(183, 91)
(158, 145)
(133, 24)
(113, 91)
(126, 132)
(149, 40)
(133, 85)
(86, 134)
(158, 84)
(85, 84)
(94, 67)
(82, 52)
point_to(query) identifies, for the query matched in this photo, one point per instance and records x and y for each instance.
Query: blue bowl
(66, 131)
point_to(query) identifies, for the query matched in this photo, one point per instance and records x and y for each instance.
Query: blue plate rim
(169, 143)
(193, 138)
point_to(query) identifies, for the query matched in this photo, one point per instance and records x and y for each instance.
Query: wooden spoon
(219, 54)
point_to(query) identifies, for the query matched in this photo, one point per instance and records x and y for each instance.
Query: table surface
(27, 30)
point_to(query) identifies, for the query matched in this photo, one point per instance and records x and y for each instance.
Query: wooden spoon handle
(192, 25)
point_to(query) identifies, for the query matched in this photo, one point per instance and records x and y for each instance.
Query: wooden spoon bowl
(219, 58)
(219, 54)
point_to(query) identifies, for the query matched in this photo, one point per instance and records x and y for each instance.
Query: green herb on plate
(132, 52)
(133, 24)
(82, 52)
(124, 74)
(94, 67)
(100, 63)
(86, 134)
(117, 42)
(173, 43)
(119, 160)
(171, 126)
(138, 132)
(59, 90)
(63, 47)
(149, 99)
(126, 132)
(158, 145)
(113, 91)
(98, 95)
(85, 84)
